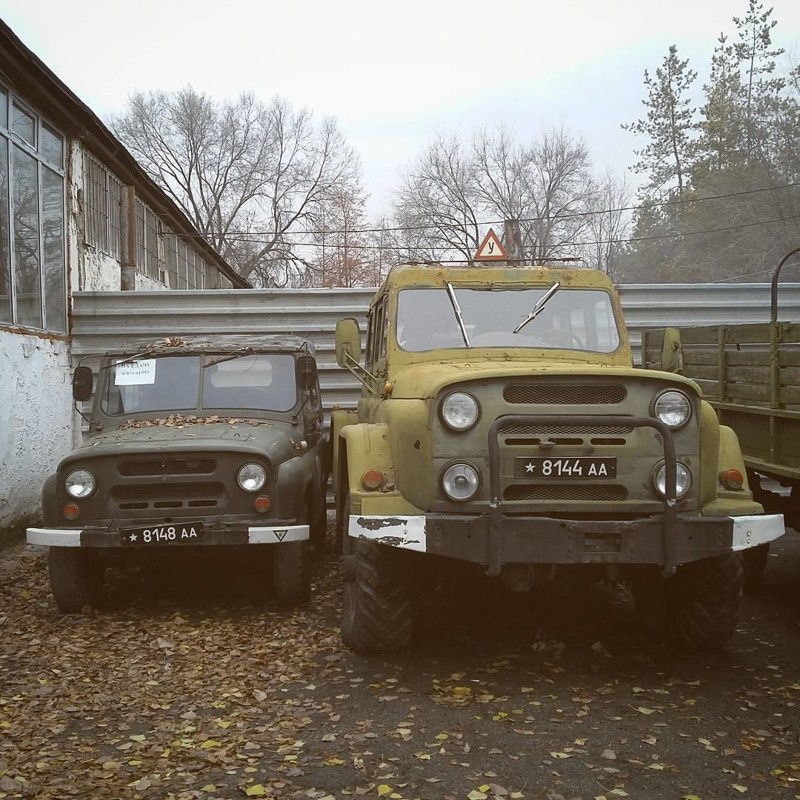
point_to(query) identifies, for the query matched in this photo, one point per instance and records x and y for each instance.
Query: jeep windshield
(194, 383)
(570, 319)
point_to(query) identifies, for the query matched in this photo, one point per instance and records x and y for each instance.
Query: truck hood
(423, 381)
(277, 441)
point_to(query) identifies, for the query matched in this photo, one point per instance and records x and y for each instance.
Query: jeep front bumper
(502, 539)
(212, 535)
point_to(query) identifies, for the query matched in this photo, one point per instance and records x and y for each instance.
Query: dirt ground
(189, 682)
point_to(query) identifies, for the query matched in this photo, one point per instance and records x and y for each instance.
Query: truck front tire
(377, 612)
(702, 602)
(76, 578)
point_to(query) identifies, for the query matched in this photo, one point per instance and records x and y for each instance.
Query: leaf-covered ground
(190, 683)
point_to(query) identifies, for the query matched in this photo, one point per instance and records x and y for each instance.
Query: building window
(32, 253)
(102, 194)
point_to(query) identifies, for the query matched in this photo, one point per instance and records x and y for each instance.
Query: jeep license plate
(582, 468)
(179, 533)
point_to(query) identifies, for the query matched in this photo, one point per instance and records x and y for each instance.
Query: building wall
(36, 409)
(36, 419)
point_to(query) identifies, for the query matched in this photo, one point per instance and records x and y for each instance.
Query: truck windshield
(192, 383)
(570, 319)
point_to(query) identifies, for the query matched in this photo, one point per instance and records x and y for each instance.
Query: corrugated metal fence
(104, 320)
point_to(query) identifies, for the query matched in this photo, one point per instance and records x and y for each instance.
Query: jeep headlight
(673, 408)
(79, 484)
(683, 480)
(251, 477)
(460, 411)
(460, 481)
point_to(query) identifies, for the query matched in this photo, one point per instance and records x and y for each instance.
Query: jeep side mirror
(671, 353)
(306, 372)
(82, 383)
(348, 342)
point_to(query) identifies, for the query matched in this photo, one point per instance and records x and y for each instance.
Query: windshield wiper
(451, 293)
(245, 351)
(539, 307)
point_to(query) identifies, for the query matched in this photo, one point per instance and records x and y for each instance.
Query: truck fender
(730, 453)
(340, 418)
(366, 446)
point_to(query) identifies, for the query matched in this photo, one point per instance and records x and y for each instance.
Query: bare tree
(438, 205)
(608, 225)
(456, 188)
(249, 175)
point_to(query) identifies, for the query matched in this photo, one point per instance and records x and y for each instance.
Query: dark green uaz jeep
(206, 442)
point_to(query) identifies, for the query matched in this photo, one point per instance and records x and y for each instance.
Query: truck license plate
(179, 533)
(559, 468)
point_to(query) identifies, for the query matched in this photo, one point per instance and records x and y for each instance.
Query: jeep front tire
(76, 578)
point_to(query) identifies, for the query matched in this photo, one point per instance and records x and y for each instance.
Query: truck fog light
(372, 479)
(79, 483)
(673, 408)
(731, 479)
(682, 484)
(71, 511)
(460, 481)
(262, 504)
(460, 411)
(251, 477)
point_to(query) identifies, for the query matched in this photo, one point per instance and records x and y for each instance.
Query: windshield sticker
(135, 373)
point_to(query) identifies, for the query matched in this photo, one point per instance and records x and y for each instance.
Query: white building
(77, 213)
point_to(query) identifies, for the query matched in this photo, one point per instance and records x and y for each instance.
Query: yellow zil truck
(502, 428)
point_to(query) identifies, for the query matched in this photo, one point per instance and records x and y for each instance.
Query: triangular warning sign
(490, 249)
(280, 535)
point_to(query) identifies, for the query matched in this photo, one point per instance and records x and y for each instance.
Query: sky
(394, 74)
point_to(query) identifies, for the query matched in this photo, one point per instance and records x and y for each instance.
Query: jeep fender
(50, 501)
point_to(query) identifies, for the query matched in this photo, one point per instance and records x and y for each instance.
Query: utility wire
(244, 235)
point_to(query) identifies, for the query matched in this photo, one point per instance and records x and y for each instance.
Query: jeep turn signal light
(731, 479)
(387, 388)
(372, 479)
(71, 511)
(262, 504)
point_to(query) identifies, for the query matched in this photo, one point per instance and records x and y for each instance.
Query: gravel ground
(189, 682)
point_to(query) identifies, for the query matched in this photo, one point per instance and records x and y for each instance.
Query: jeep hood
(424, 381)
(274, 440)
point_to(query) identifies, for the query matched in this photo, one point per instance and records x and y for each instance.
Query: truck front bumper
(493, 542)
(222, 535)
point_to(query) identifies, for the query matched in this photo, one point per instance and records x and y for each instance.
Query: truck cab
(503, 425)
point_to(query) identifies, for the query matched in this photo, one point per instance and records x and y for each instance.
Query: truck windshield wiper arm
(245, 351)
(539, 307)
(451, 293)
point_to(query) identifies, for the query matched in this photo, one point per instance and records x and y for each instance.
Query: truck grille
(600, 494)
(566, 394)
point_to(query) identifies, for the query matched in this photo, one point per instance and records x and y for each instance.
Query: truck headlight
(673, 408)
(460, 411)
(683, 480)
(80, 484)
(251, 477)
(460, 481)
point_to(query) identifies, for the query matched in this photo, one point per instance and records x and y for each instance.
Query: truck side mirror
(671, 352)
(348, 342)
(306, 372)
(82, 383)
